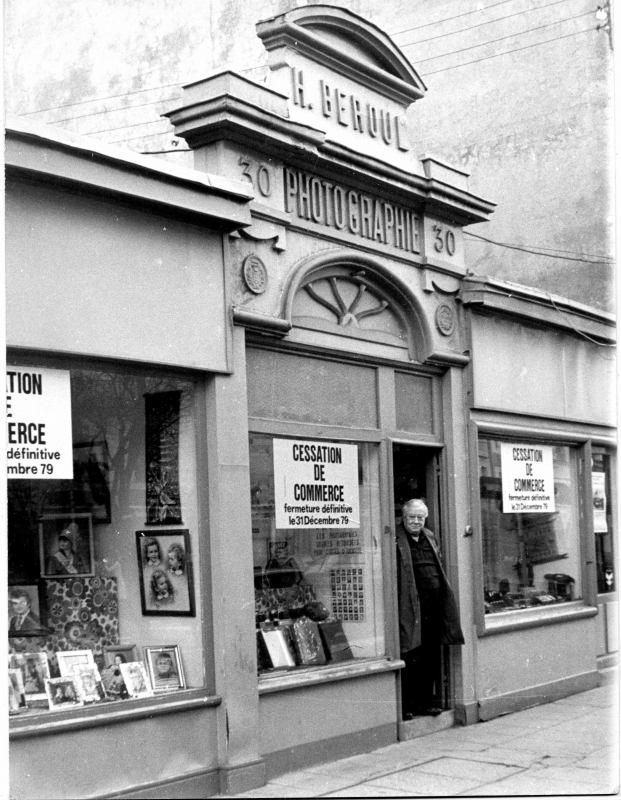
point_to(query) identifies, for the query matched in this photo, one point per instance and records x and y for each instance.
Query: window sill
(39, 722)
(507, 621)
(326, 674)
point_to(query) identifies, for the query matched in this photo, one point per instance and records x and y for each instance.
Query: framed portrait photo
(117, 654)
(69, 660)
(66, 545)
(136, 679)
(165, 573)
(17, 694)
(35, 670)
(26, 610)
(88, 682)
(164, 668)
(62, 693)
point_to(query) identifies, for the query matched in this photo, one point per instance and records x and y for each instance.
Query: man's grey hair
(414, 503)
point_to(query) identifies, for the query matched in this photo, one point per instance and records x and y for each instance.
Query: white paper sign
(599, 502)
(527, 478)
(38, 410)
(316, 484)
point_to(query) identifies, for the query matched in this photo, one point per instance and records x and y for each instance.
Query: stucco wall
(90, 276)
(534, 125)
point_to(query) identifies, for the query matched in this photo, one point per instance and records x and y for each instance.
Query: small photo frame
(68, 660)
(26, 610)
(136, 679)
(164, 668)
(66, 545)
(62, 693)
(117, 654)
(165, 573)
(35, 670)
(88, 682)
(17, 695)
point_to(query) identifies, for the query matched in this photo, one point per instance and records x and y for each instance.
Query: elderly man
(428, 616)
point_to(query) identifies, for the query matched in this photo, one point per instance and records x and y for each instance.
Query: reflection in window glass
(77, 548)
(602, 523)
(529, 559)
(318, 592)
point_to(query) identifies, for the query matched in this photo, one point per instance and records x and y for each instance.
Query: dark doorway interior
(416, 475)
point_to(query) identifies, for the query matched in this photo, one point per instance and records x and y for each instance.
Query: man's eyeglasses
(415, 518)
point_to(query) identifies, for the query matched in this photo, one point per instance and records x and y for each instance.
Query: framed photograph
(35, 670)
(66, 545)
(165, 573)
(136, 679)
(26, 610)
(88, 682)
(117, 654)
(17, 694)
(89, 490)
(278, 650)
(62, 693)
(164, 668)
(308, 642)
(68, 660)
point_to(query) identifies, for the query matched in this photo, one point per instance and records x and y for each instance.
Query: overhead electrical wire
(504, 38)
(114, 110)
(448, 19)
(507, 52)
(487, 22)
(545, 255)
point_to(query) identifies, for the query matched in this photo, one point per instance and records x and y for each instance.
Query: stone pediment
(345, 43)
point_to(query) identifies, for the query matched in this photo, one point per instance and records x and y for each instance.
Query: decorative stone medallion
(255, 274)
(445, 319)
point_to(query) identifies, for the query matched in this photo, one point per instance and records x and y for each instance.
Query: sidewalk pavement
(568, 747)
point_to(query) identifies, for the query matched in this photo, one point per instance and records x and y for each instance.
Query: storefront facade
(257, 361)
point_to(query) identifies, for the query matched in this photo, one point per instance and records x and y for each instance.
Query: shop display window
(317, 555)
(103, 542)
(603, 522)
(530, 532)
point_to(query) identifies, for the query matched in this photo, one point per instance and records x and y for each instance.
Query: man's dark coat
(409, 605)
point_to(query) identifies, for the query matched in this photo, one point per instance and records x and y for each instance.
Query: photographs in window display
(165, 573)
(66, 545)
(308, 644)
(164, 668)
(17, 694)
(277, 649)
(163, 497)
(69, 660)
(62, 693)
(88, 682)
(136, 679)
(35, 670)
(115, 654)
(26, 610)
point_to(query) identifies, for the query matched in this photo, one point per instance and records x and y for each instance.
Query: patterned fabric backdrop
(82, 614)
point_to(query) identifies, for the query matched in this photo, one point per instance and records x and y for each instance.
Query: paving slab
(481, 771)
(365, 790)
(416, 782)
(315, 782)
(580, 779)
(508, 757)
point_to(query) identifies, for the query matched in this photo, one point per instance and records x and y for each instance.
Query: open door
(416, 475)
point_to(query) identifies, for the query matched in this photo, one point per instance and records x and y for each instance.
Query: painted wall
(151, 288)
(96, 761)
(518, 93)
(519, 368)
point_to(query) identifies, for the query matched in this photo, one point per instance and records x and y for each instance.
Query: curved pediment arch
(355, 296)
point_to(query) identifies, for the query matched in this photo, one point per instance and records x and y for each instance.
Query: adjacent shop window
(103, 540)
(317, 555)
(529, 515)
(603, 522)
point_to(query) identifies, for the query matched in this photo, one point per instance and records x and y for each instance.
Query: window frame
(40, 722)
(485, 625)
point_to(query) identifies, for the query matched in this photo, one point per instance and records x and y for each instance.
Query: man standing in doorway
(428, 616)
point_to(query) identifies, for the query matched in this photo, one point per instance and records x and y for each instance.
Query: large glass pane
(302, 389)
(530, 558)
(602, 522)
(106, 557)
(413, 400)
(318, 584)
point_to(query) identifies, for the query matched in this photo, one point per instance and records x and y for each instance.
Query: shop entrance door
(416, 475)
